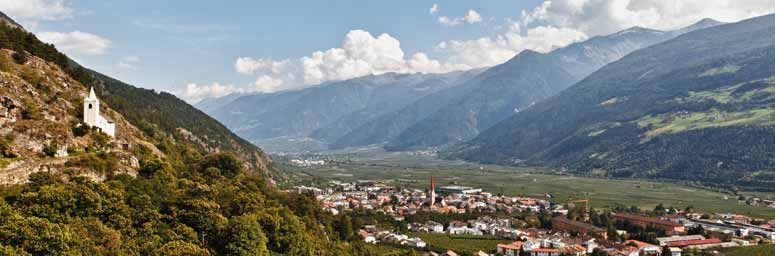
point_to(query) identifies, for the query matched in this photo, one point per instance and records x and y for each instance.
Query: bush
(50, 150)
(31, 75)
(5, 63)
(20, 57)
(81, 130)
(31, 112)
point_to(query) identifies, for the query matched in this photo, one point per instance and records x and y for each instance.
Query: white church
(92, 117)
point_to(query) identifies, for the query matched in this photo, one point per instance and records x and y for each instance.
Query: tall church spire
(91, 94)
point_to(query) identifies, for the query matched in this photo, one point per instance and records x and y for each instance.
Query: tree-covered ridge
(159, 115)
(209, 206)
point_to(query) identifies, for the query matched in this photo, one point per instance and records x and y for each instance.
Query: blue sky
(210, 48)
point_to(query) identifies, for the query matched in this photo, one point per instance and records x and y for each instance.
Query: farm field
(759, 250)
(465, 244)
(412, 170)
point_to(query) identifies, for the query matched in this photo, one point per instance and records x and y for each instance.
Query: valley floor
(414, 170)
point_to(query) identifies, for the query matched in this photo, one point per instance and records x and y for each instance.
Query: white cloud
(490, 51)
(446, 21)
(553, 24)
(76, 42)
(194, 92)
(434, 9)
(598, 17)
(360, 54)
(471, 17)
(128, 62)
(36, 10)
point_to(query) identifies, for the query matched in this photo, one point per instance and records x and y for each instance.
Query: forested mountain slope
(507, 89)
(698, 107)
(154, 189)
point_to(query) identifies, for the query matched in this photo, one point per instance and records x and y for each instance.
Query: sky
(200, 49)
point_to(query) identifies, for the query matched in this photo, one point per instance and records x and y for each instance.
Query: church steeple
(91, 94)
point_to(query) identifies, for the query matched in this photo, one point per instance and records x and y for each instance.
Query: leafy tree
(245, 236)
(181, 248)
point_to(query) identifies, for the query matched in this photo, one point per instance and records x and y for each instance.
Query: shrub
(50, 150)
(32, 76)
(20, 57)
(31, 112)
(5, 63)
(81, 130)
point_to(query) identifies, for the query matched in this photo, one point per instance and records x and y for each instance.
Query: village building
(560, 223)
(644, 221)
(92, 117)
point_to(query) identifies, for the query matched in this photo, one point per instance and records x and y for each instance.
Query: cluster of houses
(567, 237)
(306, 162)
(484, 225)
(371, 234)
(402, 202)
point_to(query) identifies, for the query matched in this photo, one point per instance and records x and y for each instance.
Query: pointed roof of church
(91, 94)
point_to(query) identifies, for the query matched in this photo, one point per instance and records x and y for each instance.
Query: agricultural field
(465, 244)
(760, 250)
(414, 170)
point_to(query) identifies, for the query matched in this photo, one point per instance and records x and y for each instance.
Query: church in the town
(92, 117)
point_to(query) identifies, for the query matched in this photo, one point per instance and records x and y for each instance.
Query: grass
(414, 171)
(759, 250)
(721, 70)
(466, 244)
(675, 123)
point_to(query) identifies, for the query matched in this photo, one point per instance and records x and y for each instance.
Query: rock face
(41, 126)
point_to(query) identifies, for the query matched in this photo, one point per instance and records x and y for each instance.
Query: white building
(92, 117)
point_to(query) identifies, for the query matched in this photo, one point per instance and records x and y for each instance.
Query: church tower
(91, 109)
(433, 193)
(92, 117)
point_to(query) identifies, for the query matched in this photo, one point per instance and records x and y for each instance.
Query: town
(534, 226)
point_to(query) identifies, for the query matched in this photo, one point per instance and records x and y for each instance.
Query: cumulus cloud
(558, 23)
(552, 24)
(36, 10)
(76, 42)
(493, 50)
(360, 54)
(471, 17)
(195, 92)
(598, 17)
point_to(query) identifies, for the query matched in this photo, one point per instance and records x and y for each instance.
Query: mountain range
(413, 111)
(698, 107)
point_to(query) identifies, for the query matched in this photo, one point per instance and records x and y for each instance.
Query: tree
(181, 248)
(666, 250)
(245, 237)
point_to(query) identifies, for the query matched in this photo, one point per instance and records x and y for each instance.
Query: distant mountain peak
(703, 23)
(637, 29)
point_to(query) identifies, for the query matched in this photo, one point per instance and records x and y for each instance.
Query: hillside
(40, 113)
(525, 80)
(325, 112)
(698, 107)
(160, 116)
(157, 188)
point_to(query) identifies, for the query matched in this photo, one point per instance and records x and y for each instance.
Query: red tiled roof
(647, 219)
(694, 242)
(513, 246)
(545, 250)
(639, 243)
